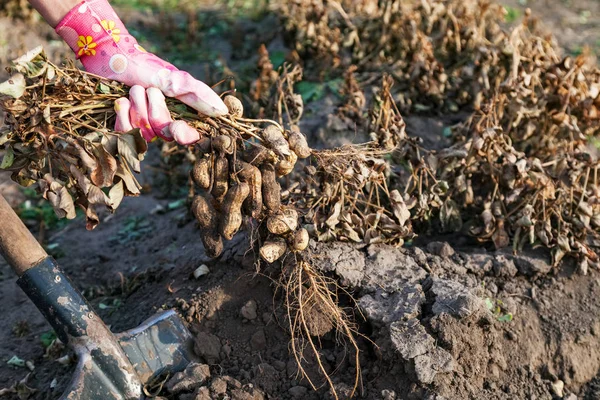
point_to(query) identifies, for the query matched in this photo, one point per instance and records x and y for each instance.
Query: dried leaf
(132, 147)
(106, 167)
(116, 194)
(401, 211)
(13, 87)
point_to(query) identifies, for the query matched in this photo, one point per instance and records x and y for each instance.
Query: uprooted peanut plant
(521, 170)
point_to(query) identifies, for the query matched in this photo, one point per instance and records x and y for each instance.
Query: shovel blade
(162, 343)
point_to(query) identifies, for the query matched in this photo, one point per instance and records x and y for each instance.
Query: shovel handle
(17, 245)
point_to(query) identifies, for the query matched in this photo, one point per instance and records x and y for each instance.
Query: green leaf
(174, 205)
(102, 306)
(104, 88)
(310, 91)
(505, 318)
(16, 361)
(8, 159)
(47, 338)
(277, 58)
(489, 304)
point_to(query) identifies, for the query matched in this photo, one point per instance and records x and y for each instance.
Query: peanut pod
(224, 144)
(271, 189)
(201, 172)
(204, 145)
(275, 140)
(299, 240)
(286, 165)
(257, 154)
(283, 222)
(251, 175)
(298, 143)
(206, 215)
(220, 178)
(234, 105)
(231, 216)
(273, 249)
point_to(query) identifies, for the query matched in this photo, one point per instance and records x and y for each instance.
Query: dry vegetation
(522, 167)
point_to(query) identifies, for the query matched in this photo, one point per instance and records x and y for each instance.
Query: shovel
(109, 366)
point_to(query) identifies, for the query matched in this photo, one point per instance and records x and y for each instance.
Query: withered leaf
(106, 168)
(58, 196)
(334, 218)
(401, 211)
(14, 86)
(116, 194)
(131, 185)
(132, 147)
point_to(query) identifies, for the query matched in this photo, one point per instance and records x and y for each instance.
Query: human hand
(104, 46)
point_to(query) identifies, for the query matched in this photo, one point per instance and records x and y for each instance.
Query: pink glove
(100, 40)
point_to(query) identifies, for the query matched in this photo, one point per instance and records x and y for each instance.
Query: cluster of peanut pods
(236, 175)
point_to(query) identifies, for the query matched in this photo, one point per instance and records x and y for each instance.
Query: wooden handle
(17, 245)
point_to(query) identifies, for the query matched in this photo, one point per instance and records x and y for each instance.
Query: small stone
(441, 249)
(193, 376)
(570, 396)
(387, 394)
(249, 310)
(218, 386)
(201, 271)
(226, 350)
(558, 387)
(258, 341)
(207, 346)
(298, 392)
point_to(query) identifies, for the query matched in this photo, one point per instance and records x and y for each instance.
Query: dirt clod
(410, 338)
(249, 311)
(453, 298)
(441, 249)
(258, 340)
(194, 376)
(207, 346)
(382, 308)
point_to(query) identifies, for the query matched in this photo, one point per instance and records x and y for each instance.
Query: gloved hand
(100, 40)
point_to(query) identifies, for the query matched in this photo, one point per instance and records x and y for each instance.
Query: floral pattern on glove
(86, 46)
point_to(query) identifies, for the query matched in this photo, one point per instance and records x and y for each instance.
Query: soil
(441, 319)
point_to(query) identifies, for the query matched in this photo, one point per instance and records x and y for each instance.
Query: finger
(183, 133)
(139, 112)
(194, 93)
(158, 113)
(123, 123)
